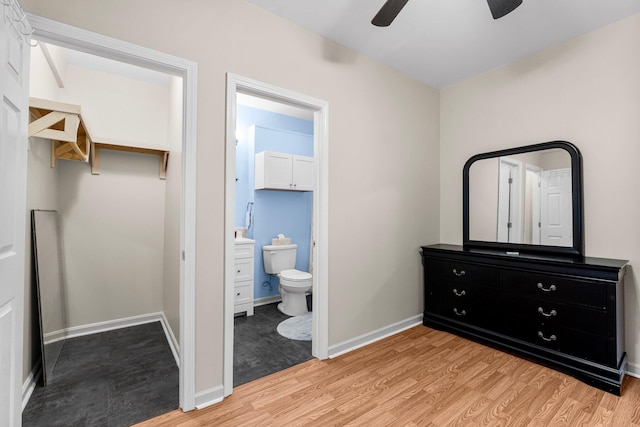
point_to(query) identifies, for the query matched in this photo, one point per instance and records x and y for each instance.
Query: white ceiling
(442, 42)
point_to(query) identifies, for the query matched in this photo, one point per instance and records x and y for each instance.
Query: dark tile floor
(259, 350)
(114, 378)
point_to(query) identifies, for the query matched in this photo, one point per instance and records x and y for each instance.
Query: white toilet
(281, 261)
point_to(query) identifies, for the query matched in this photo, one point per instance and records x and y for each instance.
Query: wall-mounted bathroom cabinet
(281, 171)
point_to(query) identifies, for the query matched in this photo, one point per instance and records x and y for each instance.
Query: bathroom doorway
(242, 91)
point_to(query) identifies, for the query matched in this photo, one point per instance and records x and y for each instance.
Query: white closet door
(14, 111)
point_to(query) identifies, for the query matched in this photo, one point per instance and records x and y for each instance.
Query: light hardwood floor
(420, 377)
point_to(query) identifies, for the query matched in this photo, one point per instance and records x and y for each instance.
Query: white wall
(585, 91)
(117, 108)
(113, 227)
(383, 165)
(42, 183)
(42, 83)
(173, 185)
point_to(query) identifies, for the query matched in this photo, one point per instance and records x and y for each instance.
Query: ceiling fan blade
(388, 13)
(500, 8)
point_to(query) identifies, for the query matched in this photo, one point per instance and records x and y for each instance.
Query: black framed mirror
(525, 199)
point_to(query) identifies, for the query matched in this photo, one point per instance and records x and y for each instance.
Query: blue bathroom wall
(246, 117)
(273, 212)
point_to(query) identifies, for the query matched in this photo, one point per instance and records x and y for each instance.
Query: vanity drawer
(595, 348)
(553, 313)
(554, 288)
(242, 293)
(460, 272)
(243, 251)
(243, 269)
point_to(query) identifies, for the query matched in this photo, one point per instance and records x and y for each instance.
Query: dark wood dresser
(563, 312)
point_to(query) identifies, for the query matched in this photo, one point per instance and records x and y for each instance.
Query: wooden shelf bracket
(96, 147)
(63, 125)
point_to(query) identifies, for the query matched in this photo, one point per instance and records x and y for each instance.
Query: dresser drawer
(461, 303)
(460, 272)
(570, 341)
(554, 313)
(242, 293)
(243, 269)
(554, 288)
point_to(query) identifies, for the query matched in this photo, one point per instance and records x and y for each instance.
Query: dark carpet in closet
(114, 378)
(259, 350)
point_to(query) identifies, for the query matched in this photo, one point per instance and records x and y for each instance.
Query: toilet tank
(279, 257)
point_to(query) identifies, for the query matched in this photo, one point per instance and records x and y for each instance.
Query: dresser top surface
(606, 263)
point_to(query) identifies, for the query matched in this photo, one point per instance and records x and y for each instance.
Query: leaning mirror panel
(522, 198)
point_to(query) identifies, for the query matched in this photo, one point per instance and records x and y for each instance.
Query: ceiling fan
(391, 8)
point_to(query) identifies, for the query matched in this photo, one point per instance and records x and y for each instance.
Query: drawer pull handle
(549, 289)
(458, 274)
(238, 294)
(460, 294)
(551, 338)
(459, 313)
(552, 313)
(238, 271)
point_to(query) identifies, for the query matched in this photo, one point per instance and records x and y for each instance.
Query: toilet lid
(295, 275)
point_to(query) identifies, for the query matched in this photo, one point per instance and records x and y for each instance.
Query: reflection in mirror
(47, 254)
(522, 198)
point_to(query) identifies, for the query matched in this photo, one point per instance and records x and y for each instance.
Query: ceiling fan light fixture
(500, 8)
(388, 12)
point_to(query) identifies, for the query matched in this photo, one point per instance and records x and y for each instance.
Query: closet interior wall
(120, 229)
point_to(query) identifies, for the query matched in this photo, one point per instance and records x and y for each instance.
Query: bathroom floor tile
(259, 350)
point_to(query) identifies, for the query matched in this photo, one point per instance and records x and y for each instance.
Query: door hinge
(509, 225)
(183, 255)
(510, 180)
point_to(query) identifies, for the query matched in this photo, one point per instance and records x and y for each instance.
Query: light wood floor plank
(419, 377)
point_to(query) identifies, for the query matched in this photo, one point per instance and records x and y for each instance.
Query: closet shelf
(70, 139)
(63, 125)
(97, 146)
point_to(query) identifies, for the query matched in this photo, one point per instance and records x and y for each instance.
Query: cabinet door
(302, 168)
(277, 171)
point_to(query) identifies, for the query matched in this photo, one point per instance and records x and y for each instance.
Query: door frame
(86, 41)
(320, 109)
(514, 202)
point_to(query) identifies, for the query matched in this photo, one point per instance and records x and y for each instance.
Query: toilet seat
(295, 275)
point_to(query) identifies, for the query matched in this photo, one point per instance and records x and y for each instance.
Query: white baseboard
(209, 397)
(111, 325)
(266, 300)
(30, 383)
(95, 328)
(171, 339)
(371, 337)
(633, 370)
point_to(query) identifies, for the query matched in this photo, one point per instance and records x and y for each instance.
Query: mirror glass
(47, 255)
(525, 198)
(522, 198)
